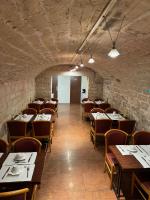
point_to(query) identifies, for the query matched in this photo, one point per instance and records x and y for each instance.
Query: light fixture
(91, 59)
(81, 61)
(76, 67)
(114, 52)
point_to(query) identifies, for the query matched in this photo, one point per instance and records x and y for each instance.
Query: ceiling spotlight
(113, 52)
(91, 59)
(81, 65)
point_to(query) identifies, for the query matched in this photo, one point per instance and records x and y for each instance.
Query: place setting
(26, 158)
(43, 117)
(24, 117)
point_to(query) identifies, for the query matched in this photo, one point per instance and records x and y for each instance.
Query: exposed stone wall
(134, 103)
(14, 97)
(43, 81)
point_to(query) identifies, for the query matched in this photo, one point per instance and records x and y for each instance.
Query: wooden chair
(26, 144)
(127, 126)
(52, 112)
(3, 146)
(141, 182)
(104, 106)
(141, 137)
(95, 110)
(99, 128)
(54, 99)
(16, 129)
(51, 106)
(98, 99)
(85, 99)
(42, 131)
(29, 111)
(111, 110)
(36, 106)
(86, 108)
(113, 137)
(20, 194)
(39, 99)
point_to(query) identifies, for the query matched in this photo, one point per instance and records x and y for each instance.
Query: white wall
(63, 89)
(84, 85)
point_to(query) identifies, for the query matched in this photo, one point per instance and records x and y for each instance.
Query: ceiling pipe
(104, 12)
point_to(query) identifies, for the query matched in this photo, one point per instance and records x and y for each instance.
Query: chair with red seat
(29, 111)
(111, 110)
(95, 110)
(141, 182)
(3, 146)
(26, 144)
(99, 128)
(113, 137)
(36, 106)
(141, 137)
(86, 109)
(127, 125)
(104, 106)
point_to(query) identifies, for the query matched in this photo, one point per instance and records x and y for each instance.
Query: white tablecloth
(100, 116)
(115, 116)
(38, 102)
(1, 155)
(24, 117)
(53, 102)
(43, 117)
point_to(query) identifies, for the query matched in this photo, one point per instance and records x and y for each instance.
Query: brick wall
(14, 97)
(133, 102)
(43, 81)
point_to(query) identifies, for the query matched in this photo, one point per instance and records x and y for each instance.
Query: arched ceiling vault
(38, 34)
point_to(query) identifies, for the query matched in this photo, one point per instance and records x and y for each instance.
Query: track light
(91, 59)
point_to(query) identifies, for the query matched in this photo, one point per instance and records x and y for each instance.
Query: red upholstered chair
(85, 99)
(95, 110)
(39, 99)
(36, 106)
(111, 110)
(104, 105)
(141, 137)
(26, 144)
(127, 125)
(29, 111)
(141, 182)
(113, 137)
(99, 128)
(86, 108)
(54, 99)
(16, 129)
(3, 146)
(42, 130)
(19, 193)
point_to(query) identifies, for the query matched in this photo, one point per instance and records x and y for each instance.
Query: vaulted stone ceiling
(38, 34)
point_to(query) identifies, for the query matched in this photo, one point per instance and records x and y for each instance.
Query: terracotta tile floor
(74, 170)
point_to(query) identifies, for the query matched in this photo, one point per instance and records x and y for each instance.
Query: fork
(28, 171)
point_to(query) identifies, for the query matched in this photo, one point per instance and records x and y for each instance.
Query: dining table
(30, 173)
(130, 158)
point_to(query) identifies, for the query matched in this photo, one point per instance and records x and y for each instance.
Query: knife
(145, 161)
(5, 173)
(30, 157)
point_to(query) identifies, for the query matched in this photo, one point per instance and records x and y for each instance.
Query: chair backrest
(85, 99)
(15, 194)
(26, 144)
(111, 110)
(104, 105)
(127, 125)
(115, 137)
(47, 111)
(141, 137)
(50, 105)
(3, 146)
(102, 125)
(36, 106)
(17, 128)
(54, 99)
(29, 111)
(88, 107)
(95, 110)
(39, 99)
(41, 129)
(98, 99)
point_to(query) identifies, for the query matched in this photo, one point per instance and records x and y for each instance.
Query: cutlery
(30, 157)
(144, 150)
(6, 172)
(139, 149)
(145, 161)
(121, 148)
(28, 171)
